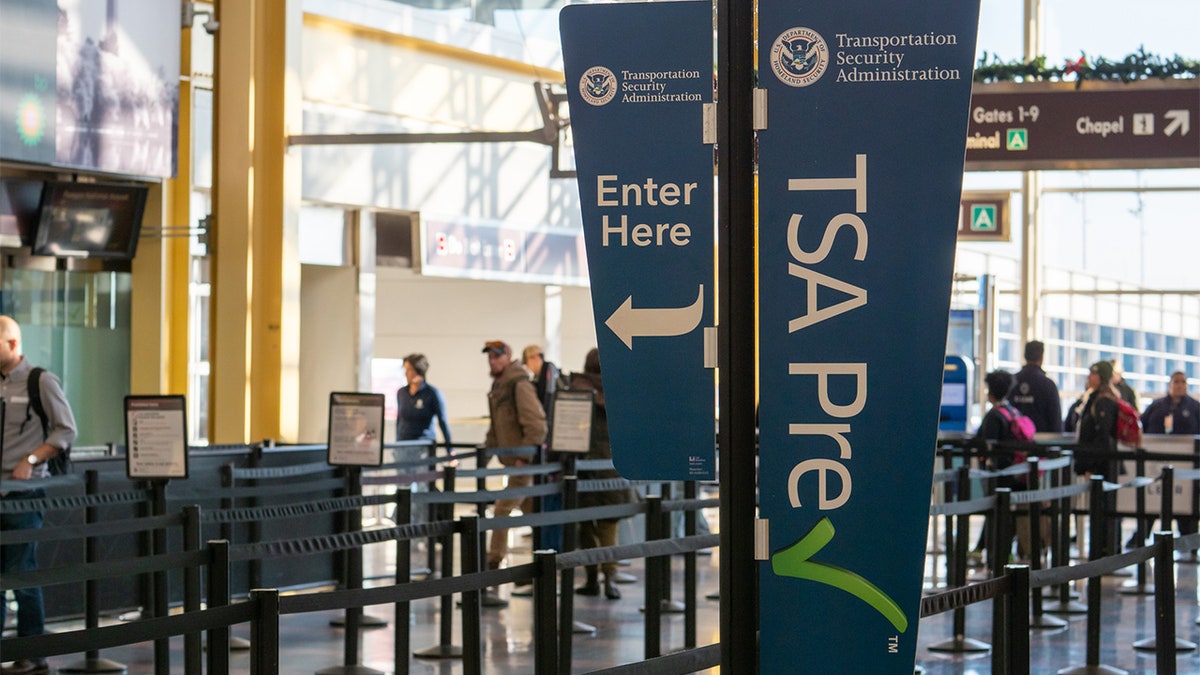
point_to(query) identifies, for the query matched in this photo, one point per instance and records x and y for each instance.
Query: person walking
(419, 405)
(516, 419)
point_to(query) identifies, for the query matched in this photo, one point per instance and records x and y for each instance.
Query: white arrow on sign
(1180, 121)
(628, 322)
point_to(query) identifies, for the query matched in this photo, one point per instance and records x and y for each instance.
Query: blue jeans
(31, 614)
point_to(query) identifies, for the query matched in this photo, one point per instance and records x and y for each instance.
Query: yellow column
(255, 274)
(159, 313)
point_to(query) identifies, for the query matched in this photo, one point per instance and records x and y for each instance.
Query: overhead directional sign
(646, 191)
(1144, 124)
(860, 172)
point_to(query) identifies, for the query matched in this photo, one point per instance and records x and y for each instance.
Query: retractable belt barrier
(1013, 585)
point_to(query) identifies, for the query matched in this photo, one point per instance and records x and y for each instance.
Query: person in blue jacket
(419, 404)
(1177, 414)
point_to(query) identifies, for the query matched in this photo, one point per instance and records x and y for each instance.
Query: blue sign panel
(646, 190)
(860, 171)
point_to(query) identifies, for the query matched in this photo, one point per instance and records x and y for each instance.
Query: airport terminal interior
(251, 207)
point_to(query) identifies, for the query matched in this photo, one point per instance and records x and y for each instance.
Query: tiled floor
(310, 644)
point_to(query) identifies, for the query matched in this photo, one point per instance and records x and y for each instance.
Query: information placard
(572, 430)
(156, 437)
(355, 429)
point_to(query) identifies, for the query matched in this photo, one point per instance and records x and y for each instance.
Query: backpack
(1022, 429)
(60, 463)
(1129, 427)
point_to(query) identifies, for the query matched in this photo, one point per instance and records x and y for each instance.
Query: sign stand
(355, 440)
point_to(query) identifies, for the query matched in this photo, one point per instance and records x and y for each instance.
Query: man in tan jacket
(517, 419)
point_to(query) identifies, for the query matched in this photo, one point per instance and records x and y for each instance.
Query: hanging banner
(646, 191)
(860, 171)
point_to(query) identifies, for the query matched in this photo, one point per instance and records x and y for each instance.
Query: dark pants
(31, 614)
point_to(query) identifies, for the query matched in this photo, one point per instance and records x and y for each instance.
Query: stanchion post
(1017, 638)
(689, 569)
(1061, 552)
(218, 596)
(162, 647)
(445, 649)
(264, 632)
(962, 536)
(1168, 496)
(400, 619)
(1001, 550)
(91, 663)
(1164, 602)
(354, 573)
(1096, 546)
(471, 563)
(431, 509)
(957, 574)
(193, 648)
(654, 595)
(1140, 506)
(545, 629)
(566, 603)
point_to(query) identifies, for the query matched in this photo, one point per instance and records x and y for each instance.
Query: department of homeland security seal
(598, 85)
(799, 57)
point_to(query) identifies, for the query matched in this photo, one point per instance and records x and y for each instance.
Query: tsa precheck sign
(860, 173)
(638, 77)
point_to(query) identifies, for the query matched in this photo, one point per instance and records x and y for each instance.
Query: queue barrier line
(687, 661)
(294, 510)
(1050, 494)
(484, 496)
(72, 502)
(647, 549)
(963, 508)
(256, 491)
(52, 576)
(943, 602)
(1108, 487)
(128, 633)
(404, 480)
(72, 479)
(527, 470)
(98, 529)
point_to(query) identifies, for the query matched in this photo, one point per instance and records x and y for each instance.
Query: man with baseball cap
(517, 420)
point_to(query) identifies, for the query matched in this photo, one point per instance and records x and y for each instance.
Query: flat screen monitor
(90, 220)
(20, 199)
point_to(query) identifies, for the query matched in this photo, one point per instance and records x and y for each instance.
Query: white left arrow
(1180, 120)
(628, 322)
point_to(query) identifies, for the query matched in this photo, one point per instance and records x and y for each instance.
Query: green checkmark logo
(794, 561)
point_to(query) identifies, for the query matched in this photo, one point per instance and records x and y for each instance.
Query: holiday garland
(1138, 66)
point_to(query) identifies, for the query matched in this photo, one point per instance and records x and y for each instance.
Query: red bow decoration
(1076, 67)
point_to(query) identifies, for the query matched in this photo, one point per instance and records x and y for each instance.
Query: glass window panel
(1007, 321)
(1132, 339)
(1085, 332)
(1153, 342)
(1171, 344)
